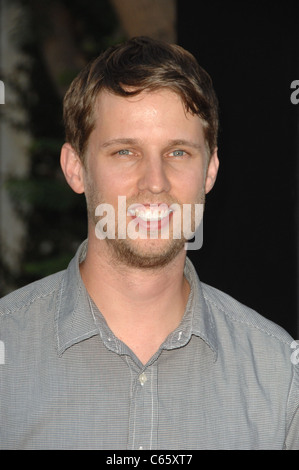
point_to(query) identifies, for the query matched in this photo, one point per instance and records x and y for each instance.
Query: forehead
(166, 96)
(159, 109)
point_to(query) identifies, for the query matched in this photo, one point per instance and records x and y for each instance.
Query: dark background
(250, 48)
(250, 233)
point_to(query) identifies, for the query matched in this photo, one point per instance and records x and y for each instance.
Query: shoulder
(240, 316)
(31, 294)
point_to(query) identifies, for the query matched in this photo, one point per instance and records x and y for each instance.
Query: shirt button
(142, 378)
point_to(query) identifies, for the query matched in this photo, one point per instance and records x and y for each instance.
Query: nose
(153, 176)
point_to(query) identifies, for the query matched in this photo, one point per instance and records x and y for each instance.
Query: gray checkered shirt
(223, 379)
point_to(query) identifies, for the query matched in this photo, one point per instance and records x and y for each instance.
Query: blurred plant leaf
(47, 194)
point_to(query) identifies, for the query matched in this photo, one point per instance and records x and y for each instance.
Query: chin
(152, 254)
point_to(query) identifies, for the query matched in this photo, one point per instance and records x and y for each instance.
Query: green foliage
(55, 216)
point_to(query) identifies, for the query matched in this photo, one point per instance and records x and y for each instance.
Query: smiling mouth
(152, 213)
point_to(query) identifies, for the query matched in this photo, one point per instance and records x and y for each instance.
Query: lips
(150, 215)
(153, 212)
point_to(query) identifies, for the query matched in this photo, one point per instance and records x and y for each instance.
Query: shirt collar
(203, 324)
(74, 317)
(75, 320)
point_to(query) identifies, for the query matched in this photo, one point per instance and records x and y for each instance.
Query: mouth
(151, 216)
(152, 213)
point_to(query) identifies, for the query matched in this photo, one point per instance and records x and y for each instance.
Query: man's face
(148, 149)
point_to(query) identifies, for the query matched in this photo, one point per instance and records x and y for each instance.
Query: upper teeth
(150, 214)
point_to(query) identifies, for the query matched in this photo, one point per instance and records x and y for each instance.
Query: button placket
(143, 417)
(142, 378)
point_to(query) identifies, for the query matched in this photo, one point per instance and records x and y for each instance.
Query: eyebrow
(184, 142)
(170, 143)
(123, 141)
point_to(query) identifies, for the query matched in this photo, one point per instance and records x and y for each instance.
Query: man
(127, 349)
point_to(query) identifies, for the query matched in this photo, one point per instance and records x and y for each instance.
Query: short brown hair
(139, 64)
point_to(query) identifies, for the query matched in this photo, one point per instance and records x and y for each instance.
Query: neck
(137, 303)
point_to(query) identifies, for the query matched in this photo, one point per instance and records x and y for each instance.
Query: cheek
(110, 184)
(191, 185)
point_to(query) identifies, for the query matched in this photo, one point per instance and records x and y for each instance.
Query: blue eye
(124, 152)
(178, 153)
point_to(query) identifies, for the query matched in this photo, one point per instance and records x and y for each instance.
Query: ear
(212, 171)
(72, 168)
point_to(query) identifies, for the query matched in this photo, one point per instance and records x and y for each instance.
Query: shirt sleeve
(292, 436)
